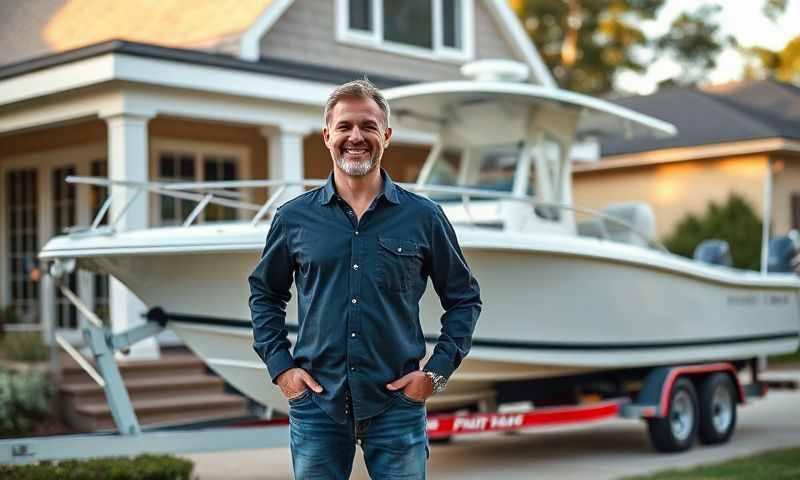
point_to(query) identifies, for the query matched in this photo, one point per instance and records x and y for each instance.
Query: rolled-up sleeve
(458, 293)
(270, 282)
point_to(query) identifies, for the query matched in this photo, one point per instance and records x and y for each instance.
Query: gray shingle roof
(729, 113)
(285, 68)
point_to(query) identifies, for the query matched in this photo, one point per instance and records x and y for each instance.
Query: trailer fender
(653, 398)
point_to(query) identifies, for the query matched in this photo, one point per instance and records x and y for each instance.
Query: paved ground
(609, 450)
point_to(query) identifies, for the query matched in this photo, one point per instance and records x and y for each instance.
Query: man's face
(356, 136)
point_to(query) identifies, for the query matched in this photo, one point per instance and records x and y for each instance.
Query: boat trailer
(656, 403)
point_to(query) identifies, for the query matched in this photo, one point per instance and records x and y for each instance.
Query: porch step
(146, 388)
(175, 389)
(168, 365)
(163, 411)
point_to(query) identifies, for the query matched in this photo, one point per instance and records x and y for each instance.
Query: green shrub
(24, 400)
(7, 316)
(735, 221)
(24, 347)
(143, 467)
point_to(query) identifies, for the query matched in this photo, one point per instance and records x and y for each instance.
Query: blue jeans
(395, 442)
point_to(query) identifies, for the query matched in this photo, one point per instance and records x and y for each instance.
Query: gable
(308, 32)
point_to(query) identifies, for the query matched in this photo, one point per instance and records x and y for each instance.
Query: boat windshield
(485, 168)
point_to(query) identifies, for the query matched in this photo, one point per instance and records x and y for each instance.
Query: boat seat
(714, 252)
(592, 228)
(639, 215)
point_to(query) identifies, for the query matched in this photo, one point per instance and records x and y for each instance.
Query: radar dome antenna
(496, 70)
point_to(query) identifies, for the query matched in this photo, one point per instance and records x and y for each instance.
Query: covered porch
(137, 118)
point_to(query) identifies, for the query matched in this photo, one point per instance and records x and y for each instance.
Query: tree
(585, 42)
(693, 41)
(783, 64)
(735, 221)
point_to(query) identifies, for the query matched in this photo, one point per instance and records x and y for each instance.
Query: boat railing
(218, 193)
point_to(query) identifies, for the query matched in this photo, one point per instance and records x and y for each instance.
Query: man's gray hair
(357, 89)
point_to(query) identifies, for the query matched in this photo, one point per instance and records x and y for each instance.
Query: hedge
(143, 467)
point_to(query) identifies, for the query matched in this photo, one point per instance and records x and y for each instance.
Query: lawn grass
(785, 359)
(773, 465)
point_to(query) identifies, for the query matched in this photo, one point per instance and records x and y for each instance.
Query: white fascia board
(224, 108)
(226, 81)
(67, 109)
(60, 78)
(250, 43)
(165, 73)
(515, 34)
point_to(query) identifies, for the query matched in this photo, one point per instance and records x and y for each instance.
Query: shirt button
(356, 232)
(355, 267)
(352, 369)
(353, 334)
(399, 249)
(353, 301)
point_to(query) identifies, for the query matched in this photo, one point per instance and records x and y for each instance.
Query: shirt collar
(388, 191)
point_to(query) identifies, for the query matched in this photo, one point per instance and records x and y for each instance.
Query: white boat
(561, 295)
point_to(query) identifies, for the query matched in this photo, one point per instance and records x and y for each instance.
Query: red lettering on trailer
(447, 425)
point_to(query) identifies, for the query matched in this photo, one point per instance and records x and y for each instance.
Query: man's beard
(357, 169)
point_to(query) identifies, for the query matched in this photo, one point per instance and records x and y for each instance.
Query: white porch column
(286, 158)
(128, 159)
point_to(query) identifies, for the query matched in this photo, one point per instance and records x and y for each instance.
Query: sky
(741, 18)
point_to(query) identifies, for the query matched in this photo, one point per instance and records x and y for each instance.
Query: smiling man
(360, 250)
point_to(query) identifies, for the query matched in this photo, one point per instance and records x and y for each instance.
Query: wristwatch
(439, 381)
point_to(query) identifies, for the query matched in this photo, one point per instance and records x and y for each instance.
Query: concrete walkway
(608, 450)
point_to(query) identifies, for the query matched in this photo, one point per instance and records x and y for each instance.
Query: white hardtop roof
(420, 106)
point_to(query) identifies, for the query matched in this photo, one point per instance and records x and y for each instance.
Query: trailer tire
(676, 432)
(717, 409)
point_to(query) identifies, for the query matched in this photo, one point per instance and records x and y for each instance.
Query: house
(195, 90)
(740, 137)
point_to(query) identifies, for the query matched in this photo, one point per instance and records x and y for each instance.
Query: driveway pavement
(607, 450)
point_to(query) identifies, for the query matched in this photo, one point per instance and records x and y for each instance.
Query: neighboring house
(739, 137)
(196, 90)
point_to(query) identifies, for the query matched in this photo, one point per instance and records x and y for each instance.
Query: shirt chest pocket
(398, 264)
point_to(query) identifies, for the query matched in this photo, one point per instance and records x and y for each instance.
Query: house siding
(307, 33)
(675, 189)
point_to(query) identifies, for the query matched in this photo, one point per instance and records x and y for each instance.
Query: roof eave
(690, 153)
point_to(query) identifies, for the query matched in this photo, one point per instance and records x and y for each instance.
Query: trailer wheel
(717, 409)
(676, 432)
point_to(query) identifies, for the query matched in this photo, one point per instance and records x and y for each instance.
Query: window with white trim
(438, 28)
(193, 163)
(64, 211)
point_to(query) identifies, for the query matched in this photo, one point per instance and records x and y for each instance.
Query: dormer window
(441, 29)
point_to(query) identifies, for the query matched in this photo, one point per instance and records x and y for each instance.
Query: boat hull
(549, 309)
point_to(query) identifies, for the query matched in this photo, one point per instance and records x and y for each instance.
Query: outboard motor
(714, 252)
(781, 252)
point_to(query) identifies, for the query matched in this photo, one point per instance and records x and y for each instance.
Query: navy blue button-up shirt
(358, 285)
